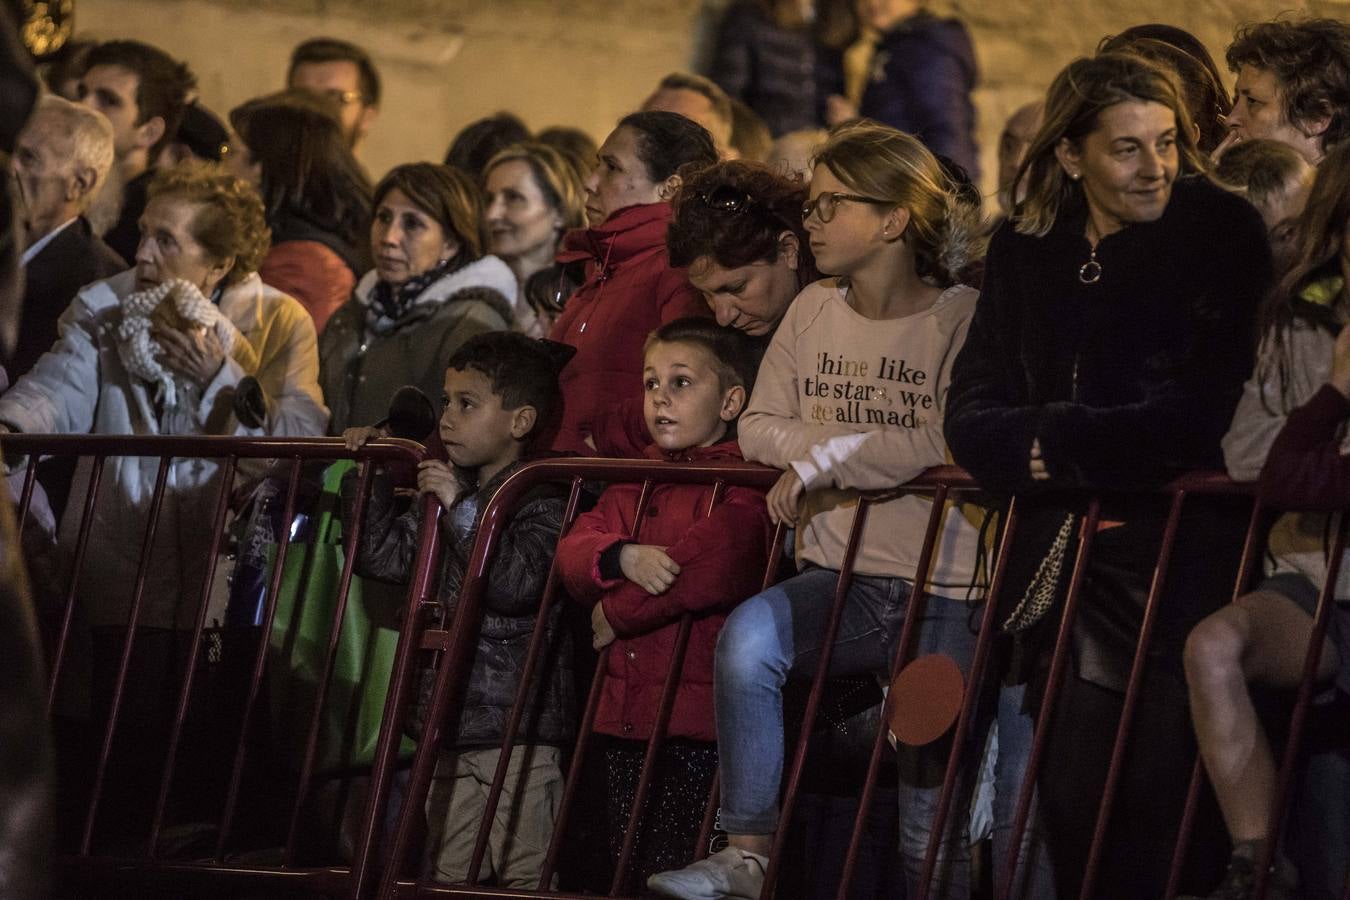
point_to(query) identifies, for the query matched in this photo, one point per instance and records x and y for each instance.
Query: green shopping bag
(349, 728)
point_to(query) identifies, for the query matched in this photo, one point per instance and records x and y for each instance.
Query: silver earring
(1075, 175)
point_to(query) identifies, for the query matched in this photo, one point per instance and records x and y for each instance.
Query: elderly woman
(291, 148)
(160, 349)
(630, 287)
(430, 291)
(533, 196)
(1107, 352)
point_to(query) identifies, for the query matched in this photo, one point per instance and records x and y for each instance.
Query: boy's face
(683, 399)
(477, 431)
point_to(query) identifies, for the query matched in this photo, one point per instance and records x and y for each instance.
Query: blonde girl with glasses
(850, 398)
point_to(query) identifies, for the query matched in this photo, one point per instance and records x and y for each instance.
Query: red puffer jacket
(722, 558)
(630, 290)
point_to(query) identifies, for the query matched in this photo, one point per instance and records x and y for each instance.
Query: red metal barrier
(376, 869)
(90, 864)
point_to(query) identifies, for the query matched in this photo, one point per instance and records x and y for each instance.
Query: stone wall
(587, 62)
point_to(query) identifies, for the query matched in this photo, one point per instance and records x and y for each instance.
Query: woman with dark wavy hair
(317, 197)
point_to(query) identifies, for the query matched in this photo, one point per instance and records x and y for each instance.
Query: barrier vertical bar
(77, 568)
(917, 605)
(156, 506)
(584, 732)
(523, 692)
(26, 496)
(1132, 688)
(1058, 660)
(1251, 555)
(391, 726)
(194, 652)
(813, 698)
(260, 660)
(1321, 620)
(351, 533)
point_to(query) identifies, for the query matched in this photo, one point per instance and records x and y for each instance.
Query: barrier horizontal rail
(360, 879)
(98, 863)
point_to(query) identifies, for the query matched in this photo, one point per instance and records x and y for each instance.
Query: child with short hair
(1275, 178)
(501, 390)
(692, 551)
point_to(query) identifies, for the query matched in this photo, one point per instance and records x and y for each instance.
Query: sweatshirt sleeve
(1258, 419)
(1305, 468)
(722, 559)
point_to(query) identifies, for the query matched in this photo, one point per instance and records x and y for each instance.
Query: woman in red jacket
(630, 288)
(642, 568)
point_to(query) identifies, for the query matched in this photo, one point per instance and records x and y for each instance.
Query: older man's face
(44, 177)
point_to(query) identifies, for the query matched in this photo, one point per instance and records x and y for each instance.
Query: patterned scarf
(392, 302)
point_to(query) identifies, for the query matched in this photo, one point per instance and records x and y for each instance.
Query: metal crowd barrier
(378, 866)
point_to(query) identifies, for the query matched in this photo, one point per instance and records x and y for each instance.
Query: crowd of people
(785, 262)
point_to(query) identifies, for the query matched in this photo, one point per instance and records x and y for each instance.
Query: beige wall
(587, 62)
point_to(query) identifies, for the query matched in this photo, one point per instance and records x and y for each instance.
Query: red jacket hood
(629, 232)
(727, 451)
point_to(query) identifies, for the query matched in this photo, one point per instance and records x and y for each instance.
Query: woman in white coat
(160, 349)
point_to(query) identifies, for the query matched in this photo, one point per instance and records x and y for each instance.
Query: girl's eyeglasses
(825, 205)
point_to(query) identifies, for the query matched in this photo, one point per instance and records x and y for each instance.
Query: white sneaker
(731, 873)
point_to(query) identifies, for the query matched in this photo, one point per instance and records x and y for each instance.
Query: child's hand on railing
(356, 438)
(783, 498)
(648, 566)
(436, 477)
(604, 634)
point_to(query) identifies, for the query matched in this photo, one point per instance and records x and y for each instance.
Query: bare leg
(1263, 637)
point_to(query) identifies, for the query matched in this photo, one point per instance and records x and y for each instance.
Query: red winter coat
(722, 558)
(630, 290)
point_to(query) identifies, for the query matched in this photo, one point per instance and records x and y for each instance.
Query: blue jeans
(778, 633)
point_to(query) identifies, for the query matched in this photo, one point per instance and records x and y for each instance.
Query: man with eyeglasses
(342, 73)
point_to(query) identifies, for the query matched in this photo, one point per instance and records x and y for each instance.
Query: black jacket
(72, 259)
(922, 76)
(773, 70)
(510, 606)
(1126, 383)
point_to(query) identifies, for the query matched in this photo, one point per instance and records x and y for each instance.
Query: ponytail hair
(875, 160)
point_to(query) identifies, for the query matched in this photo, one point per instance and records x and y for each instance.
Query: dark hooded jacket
(516, 580)
(922, 76)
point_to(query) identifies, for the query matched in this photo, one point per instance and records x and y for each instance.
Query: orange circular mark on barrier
(925, 699)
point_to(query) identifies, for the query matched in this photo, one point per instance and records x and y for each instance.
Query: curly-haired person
(1293, 85)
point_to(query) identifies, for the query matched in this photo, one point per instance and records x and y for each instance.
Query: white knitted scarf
(140, 351)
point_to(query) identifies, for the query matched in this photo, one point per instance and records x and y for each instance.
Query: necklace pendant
(1090, 272)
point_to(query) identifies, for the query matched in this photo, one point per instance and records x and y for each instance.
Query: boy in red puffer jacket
(690, 553)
